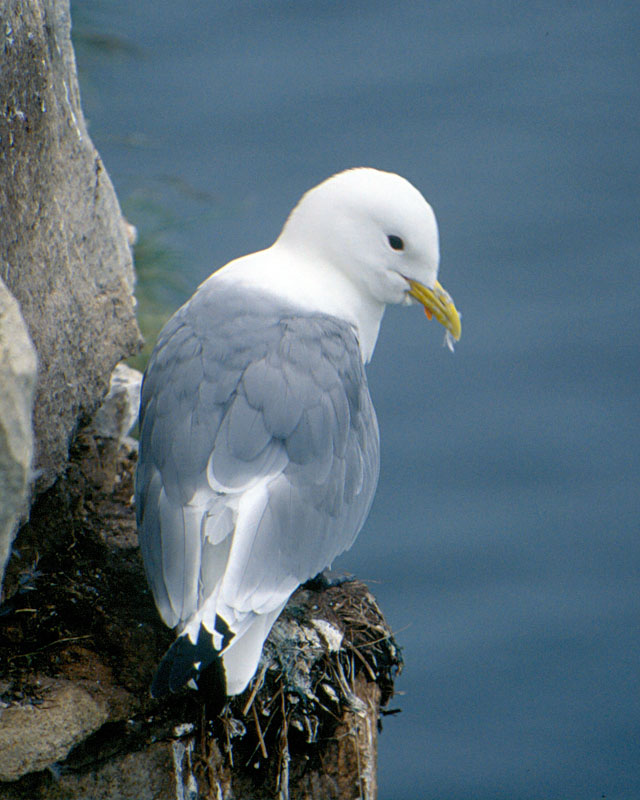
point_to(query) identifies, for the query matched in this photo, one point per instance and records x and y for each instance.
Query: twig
(285, 758)
(51, 644)
(263, 748)
(256, 688)
(364, 661)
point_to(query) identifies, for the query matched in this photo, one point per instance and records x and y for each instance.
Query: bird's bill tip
(437, 302)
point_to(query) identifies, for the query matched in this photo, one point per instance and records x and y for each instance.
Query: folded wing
(258, 463)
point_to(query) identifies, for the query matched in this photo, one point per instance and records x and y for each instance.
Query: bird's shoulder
(222, 332)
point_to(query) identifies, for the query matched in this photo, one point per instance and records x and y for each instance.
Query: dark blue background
(503, 543)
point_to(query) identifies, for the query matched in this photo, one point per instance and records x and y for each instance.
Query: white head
(357, 242)
(375, 226)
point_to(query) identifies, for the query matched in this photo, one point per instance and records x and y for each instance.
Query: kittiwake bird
(259, 445)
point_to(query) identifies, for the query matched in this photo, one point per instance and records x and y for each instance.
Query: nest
(327, 668)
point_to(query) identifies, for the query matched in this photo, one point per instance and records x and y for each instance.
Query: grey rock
(18, 365)
(118, 412)
(112, 422)
(149, 775)
(32, 739)
(64, 252)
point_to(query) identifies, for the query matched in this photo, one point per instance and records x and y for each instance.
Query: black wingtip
(185, 661)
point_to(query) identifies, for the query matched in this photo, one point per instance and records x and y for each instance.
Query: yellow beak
(438, 302)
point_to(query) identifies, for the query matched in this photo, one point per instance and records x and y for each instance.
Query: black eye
(396, 242)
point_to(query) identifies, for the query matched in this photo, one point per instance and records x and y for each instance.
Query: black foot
(325, 580)
(212, 688)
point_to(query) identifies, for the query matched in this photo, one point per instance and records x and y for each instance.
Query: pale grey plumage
(241, 386)
(259, 444)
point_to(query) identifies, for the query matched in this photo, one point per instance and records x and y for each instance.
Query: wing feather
(258, 453)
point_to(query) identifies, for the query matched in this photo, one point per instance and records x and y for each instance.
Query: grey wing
(173, 452)
(312, 510)
(258, 454)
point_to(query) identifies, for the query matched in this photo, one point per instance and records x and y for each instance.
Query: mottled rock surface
(64, 253)
(118, 412)
(18, 366)
(33, 738)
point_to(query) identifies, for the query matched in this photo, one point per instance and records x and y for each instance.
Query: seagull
(259, 444)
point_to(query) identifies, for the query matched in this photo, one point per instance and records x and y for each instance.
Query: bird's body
(259, 443)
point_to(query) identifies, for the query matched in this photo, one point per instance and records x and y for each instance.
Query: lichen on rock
(18, 370)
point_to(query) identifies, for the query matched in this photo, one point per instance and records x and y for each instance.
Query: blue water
(503, 544)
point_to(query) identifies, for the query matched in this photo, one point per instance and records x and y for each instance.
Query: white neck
(319, 287)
